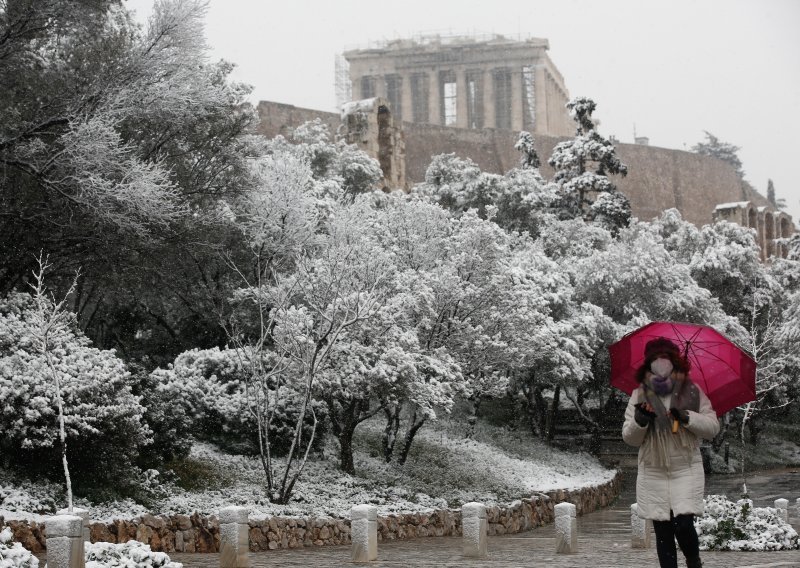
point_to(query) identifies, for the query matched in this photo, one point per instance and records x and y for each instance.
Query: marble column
(462, 113)
(489, 113)
(434, 99)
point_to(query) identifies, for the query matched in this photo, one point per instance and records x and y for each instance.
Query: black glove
(681, 416)
(643, 417)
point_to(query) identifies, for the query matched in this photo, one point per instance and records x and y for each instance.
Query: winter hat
(660, 345)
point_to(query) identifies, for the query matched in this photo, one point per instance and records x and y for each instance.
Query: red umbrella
(724, 371)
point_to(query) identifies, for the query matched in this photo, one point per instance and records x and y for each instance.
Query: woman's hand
(644, 414)
(680, 415)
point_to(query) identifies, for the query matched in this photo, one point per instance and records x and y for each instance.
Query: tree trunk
(533, 404)
(408, 439)
(343, 423)
(552, 416)
(719, 439)
(346, 451)
(390, 431)
(753, 430)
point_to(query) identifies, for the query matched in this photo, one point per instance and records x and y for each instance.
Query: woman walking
(665, 418)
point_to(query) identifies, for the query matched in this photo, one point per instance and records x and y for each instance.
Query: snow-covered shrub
(131, 554)
(726, 525)
(28, 496)
(171, 427)
(212, 386)
(103, 419)
(13, 555)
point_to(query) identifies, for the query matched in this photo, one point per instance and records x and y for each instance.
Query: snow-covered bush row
(13, 555)
(445, 470)
(131, 554)
(728, 525)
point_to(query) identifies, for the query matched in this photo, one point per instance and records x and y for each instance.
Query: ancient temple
(462, 81)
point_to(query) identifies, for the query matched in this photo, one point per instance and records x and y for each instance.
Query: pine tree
(583, 164)
(529, 158)
(778, 203)
(720, 150)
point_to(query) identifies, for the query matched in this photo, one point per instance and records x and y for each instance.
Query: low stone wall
(196, 533)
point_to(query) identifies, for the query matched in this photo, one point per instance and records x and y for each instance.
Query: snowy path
(604, 541)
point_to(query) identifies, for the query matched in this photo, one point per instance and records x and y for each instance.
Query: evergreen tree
(724, 151)
(583, 164)
(524, 145)
(778, 203)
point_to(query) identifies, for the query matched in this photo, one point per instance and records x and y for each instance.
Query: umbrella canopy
(725, 372)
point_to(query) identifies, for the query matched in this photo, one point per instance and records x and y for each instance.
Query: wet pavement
(603, 539)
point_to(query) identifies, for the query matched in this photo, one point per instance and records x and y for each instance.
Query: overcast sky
(670, 69)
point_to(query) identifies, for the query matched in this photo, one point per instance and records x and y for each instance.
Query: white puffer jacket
(681, 485)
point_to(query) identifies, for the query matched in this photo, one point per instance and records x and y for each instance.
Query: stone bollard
(83, 514)
(234, 538)
(364, 533)
(640, 529)
(566, 528)
(783, 509)
(474, 528)
(65, 542)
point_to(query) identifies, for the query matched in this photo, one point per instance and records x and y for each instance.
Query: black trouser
(679, 527)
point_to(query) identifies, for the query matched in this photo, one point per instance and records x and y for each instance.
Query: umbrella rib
(690, 343)
(712, 355)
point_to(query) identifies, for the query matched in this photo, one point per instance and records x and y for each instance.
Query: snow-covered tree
(529, 159)
(611, 210)
(59, 390)
(459, 184)
(291, 316)
(582, 165)
(773, 340)
(516, 201)
(723, 258)
(116, 141)
(635, 279)
(345, 164)
(714, 147)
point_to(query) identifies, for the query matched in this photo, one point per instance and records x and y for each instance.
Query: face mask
(661, 367)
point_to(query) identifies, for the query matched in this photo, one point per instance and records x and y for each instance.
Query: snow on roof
(732, 205)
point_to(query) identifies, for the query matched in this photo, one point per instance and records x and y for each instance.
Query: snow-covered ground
(443, 469)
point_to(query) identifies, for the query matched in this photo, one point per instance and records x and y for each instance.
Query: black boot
(694, 562)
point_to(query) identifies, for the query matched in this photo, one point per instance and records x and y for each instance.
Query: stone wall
(279, 118)
(196, 533)
(658, 178)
